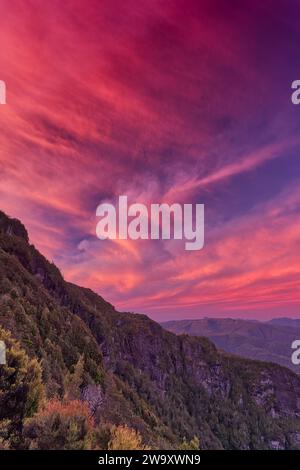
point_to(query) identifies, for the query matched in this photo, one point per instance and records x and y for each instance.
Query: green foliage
(193, 444)
(48, 331)
(74, 380)
(124, 438)
(21, 389)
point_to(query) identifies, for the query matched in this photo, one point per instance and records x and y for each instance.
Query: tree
(21, 390)
(124, 438)
(93, 396)
(74, 380)
(193, 444)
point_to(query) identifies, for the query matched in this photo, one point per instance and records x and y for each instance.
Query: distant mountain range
(265, 341)
(165, 386)
(284, 321)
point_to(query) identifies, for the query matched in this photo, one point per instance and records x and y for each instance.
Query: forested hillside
(77, 360)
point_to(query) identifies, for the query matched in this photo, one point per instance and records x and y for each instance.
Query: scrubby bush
(124, 438)
(74, 380)
(193, 444)
(60, 425)
(21, 390)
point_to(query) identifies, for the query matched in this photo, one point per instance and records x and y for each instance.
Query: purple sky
(164, 101)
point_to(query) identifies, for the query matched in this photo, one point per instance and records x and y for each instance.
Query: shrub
(60, 425)
(124, 438)
(193, 444)
(21, 390)
(74, 380)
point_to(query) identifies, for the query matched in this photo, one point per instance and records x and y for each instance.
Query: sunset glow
(182, 101)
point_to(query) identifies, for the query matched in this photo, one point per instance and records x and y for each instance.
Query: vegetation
(81, 375)
(124, 438)
(193, 444)
(21, 390)
(60, 425)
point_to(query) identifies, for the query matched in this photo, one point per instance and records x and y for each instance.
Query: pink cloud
(163, 102)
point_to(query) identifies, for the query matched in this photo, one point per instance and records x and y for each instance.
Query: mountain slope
(166, 386)
(269, 341)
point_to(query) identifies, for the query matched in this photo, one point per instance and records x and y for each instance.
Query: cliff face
(167, 386)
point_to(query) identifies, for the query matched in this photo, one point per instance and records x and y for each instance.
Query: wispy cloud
(163, 102)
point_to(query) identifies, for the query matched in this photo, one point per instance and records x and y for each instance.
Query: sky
(162, 101)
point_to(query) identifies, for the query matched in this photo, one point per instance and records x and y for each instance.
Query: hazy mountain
(284, 321)
(269, 341)
(166, 386)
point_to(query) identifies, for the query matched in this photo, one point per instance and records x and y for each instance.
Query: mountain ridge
(269, 341)
(167, 387)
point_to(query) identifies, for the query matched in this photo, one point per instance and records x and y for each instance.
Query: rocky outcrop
(12, 227)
